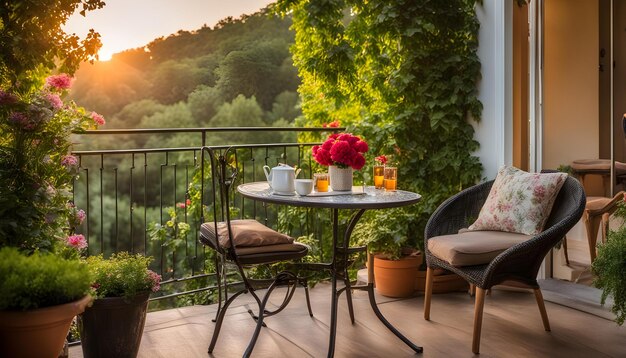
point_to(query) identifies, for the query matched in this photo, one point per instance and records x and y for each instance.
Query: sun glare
(105, 53)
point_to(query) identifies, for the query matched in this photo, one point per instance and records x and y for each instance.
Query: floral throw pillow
(519, 202)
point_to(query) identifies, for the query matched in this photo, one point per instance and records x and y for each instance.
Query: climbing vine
(402, 74)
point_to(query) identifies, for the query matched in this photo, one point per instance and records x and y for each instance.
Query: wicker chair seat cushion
(468, 248)
(246, 233)
(519, 202)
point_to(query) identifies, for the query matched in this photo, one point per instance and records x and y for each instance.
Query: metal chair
(519, 264)
(243, 244)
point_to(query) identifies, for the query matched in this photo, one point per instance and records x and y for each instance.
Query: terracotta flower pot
(38, 333)
(340, 178)
(396, 278)
(113, 326)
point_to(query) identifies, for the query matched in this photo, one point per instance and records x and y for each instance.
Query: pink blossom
(342, 153)
(322, 155)
(77, 241)
(344, 149)
(358, 162)
(155, 280)
(80, 216)
(539, 192)
(382, 159)
(184, 205)
(62, 81)
(361, 147)
(99, 119)
(7, 98)
(54, 100)
(69, 161)
(21, 120)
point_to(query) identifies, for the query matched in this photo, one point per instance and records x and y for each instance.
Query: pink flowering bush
(343, 150)
(77, 242)
(36, 167)
(122, 275)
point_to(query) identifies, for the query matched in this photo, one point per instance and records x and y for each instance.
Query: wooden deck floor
(511, 328)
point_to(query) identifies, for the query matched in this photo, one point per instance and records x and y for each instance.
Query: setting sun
(106, 53)
(124, 25)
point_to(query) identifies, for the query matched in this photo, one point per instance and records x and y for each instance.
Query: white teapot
(281, 178)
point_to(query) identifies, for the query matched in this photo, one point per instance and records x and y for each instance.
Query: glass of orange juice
(379, 172)
(390, 178)
(321, 182)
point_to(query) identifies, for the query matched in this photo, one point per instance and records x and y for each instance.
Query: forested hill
(238, 73)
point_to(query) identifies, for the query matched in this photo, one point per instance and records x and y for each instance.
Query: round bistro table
(359, 200)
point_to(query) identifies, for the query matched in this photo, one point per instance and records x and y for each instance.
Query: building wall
(570, 118)
(494, 131)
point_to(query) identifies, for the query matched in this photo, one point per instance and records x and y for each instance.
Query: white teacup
(304, 186)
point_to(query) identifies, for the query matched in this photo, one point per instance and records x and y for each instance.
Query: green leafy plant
(122, 275)
(385, 232)
(610, 267)
(402, 75)
(32, 38)
(173, 232)
(39, 280)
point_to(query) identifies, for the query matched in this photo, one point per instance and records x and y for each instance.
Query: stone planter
(40, 332)
(340, 178)
(113, 326)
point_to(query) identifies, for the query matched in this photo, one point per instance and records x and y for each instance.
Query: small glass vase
(340, 178)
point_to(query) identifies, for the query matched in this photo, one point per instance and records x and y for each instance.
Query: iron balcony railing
(144, 200)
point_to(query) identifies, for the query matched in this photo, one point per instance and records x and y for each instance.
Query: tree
(241, 112)
(255, 71)
(203, 103)
(131, 115)
(173, 81)
(285, 106)
(403, 74)
(32, 39)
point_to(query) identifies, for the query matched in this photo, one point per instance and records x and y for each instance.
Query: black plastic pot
(113, 326)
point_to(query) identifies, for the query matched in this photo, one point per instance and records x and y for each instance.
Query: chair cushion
(251, 255)
(519, 202)
(469, 248)
(246, 233)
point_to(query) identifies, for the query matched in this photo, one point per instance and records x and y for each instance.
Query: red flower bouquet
(343, 150)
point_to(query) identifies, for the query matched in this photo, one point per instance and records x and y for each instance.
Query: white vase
(340, 178)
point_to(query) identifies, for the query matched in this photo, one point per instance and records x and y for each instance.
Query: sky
(126, 24)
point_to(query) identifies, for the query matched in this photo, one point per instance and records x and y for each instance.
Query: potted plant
(399, 269)
(39, 296)
(37, 217)
(343, 153)
(395, 263)
(113, 325)
(610, 266)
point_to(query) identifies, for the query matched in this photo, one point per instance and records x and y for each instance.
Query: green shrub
(39, 280)
(122, 275)
(610, 267)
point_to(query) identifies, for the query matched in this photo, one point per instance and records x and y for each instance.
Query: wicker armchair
(519, 264)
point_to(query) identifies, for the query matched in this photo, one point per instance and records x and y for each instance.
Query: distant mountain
(194, 74)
